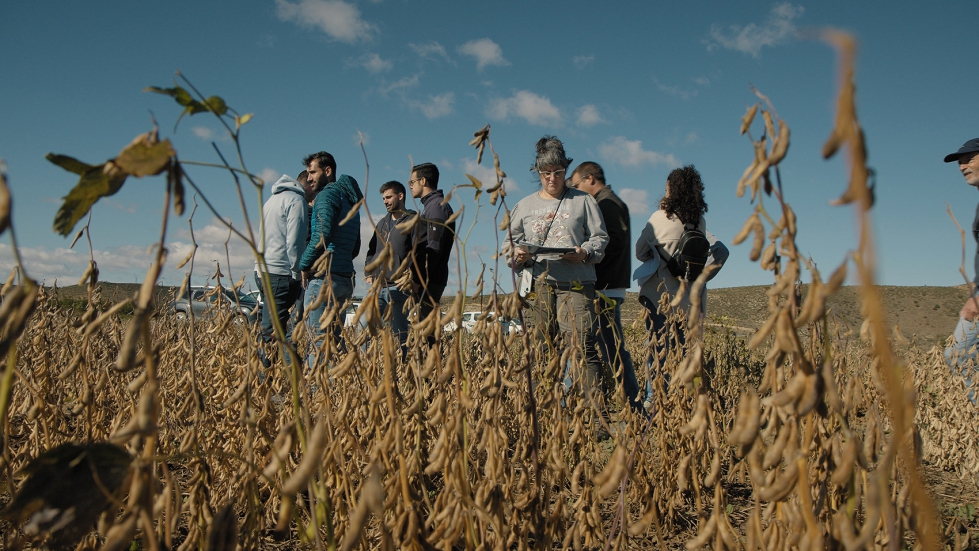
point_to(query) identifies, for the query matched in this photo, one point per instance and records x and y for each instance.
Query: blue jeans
(611, 343)
(961, 354)
(656, 328)
(395, 298)
(342, 290)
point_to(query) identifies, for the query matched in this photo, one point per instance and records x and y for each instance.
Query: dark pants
(394, 298)
(429, 300)
(612, 345)
(285, 290)
(656, 326)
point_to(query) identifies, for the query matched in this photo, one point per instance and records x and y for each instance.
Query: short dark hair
(322, 158)
(429, 172)
(397, 186)
(303, 176)
(589, 168)
(686, 200)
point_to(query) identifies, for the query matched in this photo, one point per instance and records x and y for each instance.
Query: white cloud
(339, 20)
(486, 174)
(675, 91)
(269, 175)
(131, 208)
(630, 153)
(399, 85)
(129, 263)
(210, 254)
(537, 110)
(582, 61)
(436, 106)
(752, 38)
(589, 116)
(485, 51)
(637, 199)
(430, 50)
(203, 133)
(691, 137)
(703, 81)
(374, 63)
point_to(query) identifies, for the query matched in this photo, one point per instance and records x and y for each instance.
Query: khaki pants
(565, 315)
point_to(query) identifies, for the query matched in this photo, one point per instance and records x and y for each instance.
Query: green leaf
(70, 164)
(97, 182)
(179, 94)
(145, 156)
(240, 121)
(216, 105)
(183, 97)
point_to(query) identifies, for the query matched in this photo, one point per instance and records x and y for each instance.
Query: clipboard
(539, 249)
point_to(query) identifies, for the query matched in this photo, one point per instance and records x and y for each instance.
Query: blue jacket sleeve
(325, 210)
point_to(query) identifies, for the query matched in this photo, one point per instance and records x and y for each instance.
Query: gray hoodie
(286, 227)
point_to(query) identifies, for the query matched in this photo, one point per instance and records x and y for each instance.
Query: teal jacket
(332, 205)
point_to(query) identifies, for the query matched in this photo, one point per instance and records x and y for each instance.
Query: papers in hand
(539, 249)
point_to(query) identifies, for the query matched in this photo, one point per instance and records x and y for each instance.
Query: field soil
(924, 315)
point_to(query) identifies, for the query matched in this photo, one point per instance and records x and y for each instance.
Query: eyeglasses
(545, 174)
(412, 182)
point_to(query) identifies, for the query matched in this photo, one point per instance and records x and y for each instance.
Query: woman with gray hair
(558, 233)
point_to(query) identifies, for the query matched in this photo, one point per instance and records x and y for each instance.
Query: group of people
(311, 236)
(570, 241)
(569, 244)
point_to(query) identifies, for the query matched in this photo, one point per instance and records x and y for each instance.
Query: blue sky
(638, 87)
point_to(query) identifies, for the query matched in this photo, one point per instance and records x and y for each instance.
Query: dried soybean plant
(818, 478)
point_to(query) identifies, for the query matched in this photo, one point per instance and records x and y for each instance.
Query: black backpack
(691, 254)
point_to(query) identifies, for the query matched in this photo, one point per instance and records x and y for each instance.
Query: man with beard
(328, 263)
(385, 233)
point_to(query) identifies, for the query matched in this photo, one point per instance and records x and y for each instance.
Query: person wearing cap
(961, 354)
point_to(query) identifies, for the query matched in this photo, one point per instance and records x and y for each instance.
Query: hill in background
(928, 313)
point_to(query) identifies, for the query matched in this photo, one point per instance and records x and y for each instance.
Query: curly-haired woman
(682, 205)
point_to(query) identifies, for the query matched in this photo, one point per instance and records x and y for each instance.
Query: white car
(351, 312)
(469, 320)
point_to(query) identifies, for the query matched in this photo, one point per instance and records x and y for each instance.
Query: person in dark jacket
(385, 233)
(961, 354)
(612, 276)
(431, 240)
(328, 262)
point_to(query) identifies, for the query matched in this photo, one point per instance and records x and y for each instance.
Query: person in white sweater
(683, 203)
(286, 230)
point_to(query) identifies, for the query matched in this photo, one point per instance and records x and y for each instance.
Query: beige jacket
(660, 237)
